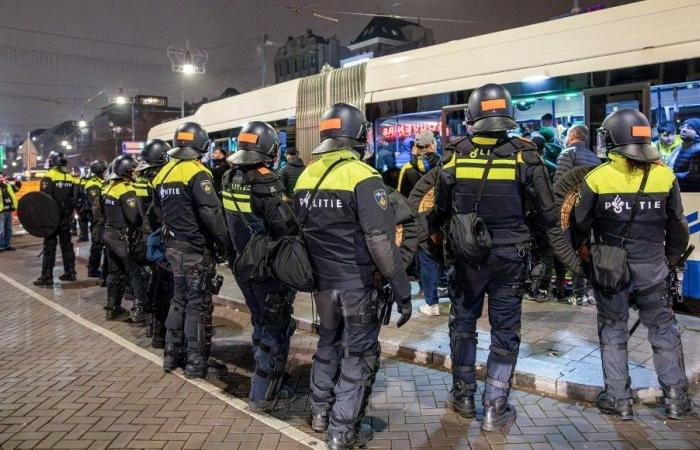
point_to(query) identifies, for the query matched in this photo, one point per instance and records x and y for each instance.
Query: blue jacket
(687, 168)
(575, 156)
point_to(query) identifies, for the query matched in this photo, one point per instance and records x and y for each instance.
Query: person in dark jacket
(219, 166)
(551, 149)
(492, 175)
(577, 154)
(350, 236)
(255, 204)
(634, 201)
(291, 172)
(63, 188)
(423, 158)
(686, 164)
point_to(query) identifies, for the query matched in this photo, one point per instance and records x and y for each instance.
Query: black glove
(220, 254)
(405, 308)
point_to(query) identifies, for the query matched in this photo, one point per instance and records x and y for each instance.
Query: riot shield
(38, 213)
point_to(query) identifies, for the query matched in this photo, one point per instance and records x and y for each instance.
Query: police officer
(349, 232)
(514, 171)
(122, 220)
(194, 233)
(83, 209)
(63, 188)
(92, 192)
(160, 289)
(255, 202)
(655, 240)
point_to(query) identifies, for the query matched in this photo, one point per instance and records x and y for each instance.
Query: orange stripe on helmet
(496, 103)
(248, 137)
(641, 131)
(185, 136)
(330, 124)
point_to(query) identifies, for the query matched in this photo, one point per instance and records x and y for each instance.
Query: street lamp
(187, 62)
(121, 97)
(64, 143)
(82, 123)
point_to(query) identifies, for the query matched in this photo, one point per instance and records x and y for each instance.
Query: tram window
(676, 118)
(394, 137)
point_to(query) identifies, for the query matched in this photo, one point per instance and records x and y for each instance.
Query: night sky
(55, 54)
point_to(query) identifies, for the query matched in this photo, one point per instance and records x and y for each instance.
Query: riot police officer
(349, 231)
(63, 188)
(194, 233)
(480, 194)
(122, 223)
(255, 202)
(633, 201)
(92, 192)
(160, 288)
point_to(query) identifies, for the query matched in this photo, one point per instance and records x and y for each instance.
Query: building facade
(306, 55)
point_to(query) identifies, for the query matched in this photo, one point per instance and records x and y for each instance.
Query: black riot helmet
(627, 132)
(191, 141)
(490, 109)
(57, 159)
(257, 143)
(98, 168)
(342, 126)
(122, 168)
(154, 154)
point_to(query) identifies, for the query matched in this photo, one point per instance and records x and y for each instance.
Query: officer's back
(60, 184)
(332, 230)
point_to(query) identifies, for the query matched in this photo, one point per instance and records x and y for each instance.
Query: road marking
(273, 422)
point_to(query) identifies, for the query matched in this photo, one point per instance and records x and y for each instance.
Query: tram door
(599, 102)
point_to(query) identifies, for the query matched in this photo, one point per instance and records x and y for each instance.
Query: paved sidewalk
(559, 354)
(49, 362)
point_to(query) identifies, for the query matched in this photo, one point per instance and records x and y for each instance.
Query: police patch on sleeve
(206, 186)
(381, 198)
(131, 202)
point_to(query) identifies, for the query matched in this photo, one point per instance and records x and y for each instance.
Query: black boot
(341, 440)
(68, 276)
(677, 403)
(319, 420)
(284, 397)
(196, 366)
(461, 404)
(215, 369)
(607, 404)
(498, 413)
(46, 279)
(173, 357)
(114, 313)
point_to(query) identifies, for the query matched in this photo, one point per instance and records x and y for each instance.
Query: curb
(533, 376)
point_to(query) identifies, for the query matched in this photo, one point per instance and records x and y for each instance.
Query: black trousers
(63, 237)
(122, 271)
(189, 318)
(501, 277)
(664, 337)
(347, 357)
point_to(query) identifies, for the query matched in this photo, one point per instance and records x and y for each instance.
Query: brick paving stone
(62, 385)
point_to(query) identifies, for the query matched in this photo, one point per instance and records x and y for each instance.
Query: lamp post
(187, 62)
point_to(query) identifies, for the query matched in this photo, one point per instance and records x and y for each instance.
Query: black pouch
(611, 274)
(470, 238)
(291, 264)
(136, 244)
(251, 263)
